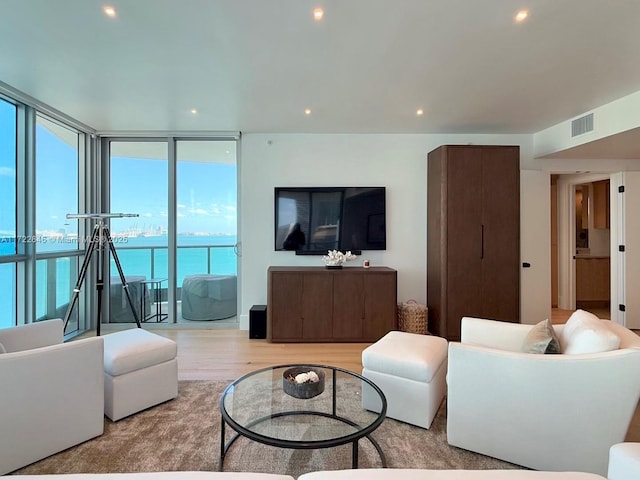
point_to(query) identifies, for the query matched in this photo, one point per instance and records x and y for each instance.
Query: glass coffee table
(257, 407)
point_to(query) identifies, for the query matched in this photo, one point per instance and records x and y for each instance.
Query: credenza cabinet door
(314, 304)
(379, 304)
(348, 306)
(317, 298)
(285, 303)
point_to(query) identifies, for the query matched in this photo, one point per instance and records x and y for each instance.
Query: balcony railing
(152, 262)
(57, 272)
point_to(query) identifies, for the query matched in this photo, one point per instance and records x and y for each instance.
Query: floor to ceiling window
(182, 189)
(8, 231)
(202, 220)
(44, 157)
(57, 194)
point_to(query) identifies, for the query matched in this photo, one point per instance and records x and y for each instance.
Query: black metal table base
(224, 447)
(155, 284)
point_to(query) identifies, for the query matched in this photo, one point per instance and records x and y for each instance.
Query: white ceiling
(255, 65)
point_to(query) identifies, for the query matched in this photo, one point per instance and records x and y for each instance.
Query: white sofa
(362, 474)
(418, 474)
(51, 393)
(624, 464)
(624, 461)
(546, 412)
(161, 476)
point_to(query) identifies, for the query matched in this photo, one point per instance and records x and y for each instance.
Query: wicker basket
(412, 317)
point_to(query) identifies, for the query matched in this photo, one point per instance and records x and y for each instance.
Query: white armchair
(546, 412)
(52, 393)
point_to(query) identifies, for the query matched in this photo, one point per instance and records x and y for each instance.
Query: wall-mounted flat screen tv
(313, 220)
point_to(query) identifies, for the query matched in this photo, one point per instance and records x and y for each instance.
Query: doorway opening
(581, 243)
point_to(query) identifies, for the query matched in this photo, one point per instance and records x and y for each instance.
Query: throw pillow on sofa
(586, 333)
(541, 338)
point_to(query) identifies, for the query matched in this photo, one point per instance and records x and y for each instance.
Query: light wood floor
(229, 354)
(561, 316)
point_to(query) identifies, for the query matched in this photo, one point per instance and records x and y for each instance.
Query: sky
(206, 195)
(7, 167)
(206, 192)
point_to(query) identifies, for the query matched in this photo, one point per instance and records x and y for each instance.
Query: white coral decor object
(336, 257)
(307, 377)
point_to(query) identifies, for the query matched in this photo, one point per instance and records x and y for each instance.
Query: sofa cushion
(624, 461)
(161, 476)
(586, 333)
(541, 338)
(421, 474)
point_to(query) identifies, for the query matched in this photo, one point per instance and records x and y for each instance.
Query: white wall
(397, 162)
(614, 117)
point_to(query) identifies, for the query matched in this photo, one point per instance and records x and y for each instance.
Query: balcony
(57, 275)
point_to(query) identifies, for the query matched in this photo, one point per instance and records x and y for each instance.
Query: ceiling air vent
(582, 125)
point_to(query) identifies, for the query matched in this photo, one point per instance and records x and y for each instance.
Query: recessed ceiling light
(194, 111)
(522, 15)
(109, 11)
(420, 112)
(307, 111)
(318, 13)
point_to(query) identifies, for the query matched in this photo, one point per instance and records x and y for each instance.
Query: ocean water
(148, 256)
(138, 256)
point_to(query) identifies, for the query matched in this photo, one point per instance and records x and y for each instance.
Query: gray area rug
(184, 434)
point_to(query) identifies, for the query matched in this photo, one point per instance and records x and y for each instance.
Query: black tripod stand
(100, 239)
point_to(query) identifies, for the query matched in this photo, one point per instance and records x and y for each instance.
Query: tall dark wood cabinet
(315, 304)
(473, 235)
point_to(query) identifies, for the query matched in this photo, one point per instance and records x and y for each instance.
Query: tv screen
(316, 219)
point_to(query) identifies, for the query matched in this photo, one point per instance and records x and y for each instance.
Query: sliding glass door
(184, 192)
(138, 179)
(206, 226)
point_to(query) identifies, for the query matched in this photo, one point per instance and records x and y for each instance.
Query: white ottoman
(411, 370)
(140, 371)
(624, 461)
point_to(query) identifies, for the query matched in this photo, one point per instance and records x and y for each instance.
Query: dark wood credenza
(316, 304)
